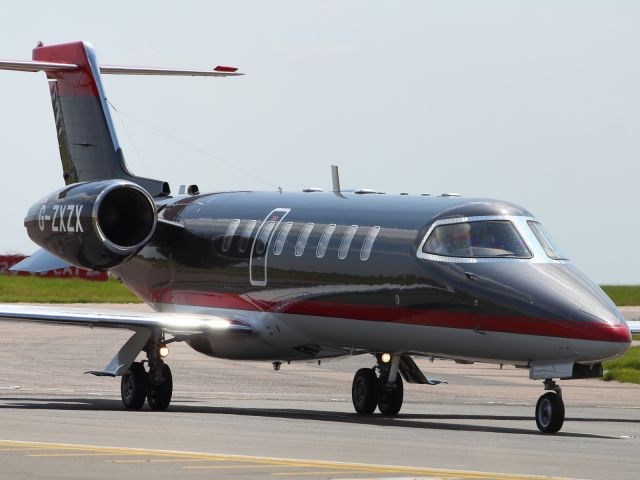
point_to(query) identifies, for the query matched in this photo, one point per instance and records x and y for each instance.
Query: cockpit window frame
(521, 226)
(551, 248)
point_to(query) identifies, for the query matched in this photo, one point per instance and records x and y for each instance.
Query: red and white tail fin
(89, 147)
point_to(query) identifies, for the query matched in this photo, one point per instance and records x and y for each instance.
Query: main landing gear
(380, 386)
(155, 385)
(550, 408)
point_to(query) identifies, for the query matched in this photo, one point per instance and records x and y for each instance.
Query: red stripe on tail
(78, 82)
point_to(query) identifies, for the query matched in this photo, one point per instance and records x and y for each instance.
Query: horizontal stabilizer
(41, 261)
(36, 66)
(31, 66)
(171, 72)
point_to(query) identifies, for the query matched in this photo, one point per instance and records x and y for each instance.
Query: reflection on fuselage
(511, 302)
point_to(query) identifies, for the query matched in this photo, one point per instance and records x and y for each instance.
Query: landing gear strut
(379, 386)
(156, 385)
(550, 408)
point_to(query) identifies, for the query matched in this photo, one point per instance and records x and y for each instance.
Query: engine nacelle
(95, 225)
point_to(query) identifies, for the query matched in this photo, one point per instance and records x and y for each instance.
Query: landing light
(385, 357)
(163, 351)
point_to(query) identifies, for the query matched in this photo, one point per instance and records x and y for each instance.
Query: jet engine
(95, 225)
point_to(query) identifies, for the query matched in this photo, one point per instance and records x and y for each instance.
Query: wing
(634, 326)
(144, 324)
(172, 323)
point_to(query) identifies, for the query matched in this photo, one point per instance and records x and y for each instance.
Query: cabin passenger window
(281, 238)
(550, 247)
(264, 237)
(228, 236)
(343, 251)
(323, 243)
(365, 253)
(302, 239)
(246, 236)
(479, 239)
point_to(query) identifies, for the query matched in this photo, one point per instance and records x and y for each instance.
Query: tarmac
(244, 420)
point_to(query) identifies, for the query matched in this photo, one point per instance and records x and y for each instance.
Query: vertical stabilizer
(89, 147)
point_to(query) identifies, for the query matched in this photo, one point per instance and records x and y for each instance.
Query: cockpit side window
(477, 239)
(550, 247)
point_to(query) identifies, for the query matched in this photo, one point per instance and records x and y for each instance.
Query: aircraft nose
(598, 335)
(600, 325)
(596, 329)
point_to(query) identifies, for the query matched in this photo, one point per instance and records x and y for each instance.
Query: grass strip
(624, 375)
(631, 359)
(15, 288)
(623, 295)
(625, 369)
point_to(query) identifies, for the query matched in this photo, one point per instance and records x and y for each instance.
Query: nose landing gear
(550, 408)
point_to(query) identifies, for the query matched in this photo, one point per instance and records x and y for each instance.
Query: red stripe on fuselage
(517, 324)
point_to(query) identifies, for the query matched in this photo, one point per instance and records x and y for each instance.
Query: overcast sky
(535, 102)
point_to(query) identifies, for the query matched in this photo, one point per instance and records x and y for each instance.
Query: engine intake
(96, 225)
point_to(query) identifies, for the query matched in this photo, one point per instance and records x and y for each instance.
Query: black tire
(365, 391)
(550, 413)
(390, 401)
(133, 387)
(159, 395)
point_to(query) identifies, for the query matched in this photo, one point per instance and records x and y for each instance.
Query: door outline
(284, 212)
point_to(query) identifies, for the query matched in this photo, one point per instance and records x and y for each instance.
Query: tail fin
(89, 147)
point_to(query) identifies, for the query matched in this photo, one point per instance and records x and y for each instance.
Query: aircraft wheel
(390, 401)
(550, 412)
(133, 387)
(159, 395)
(365, 391)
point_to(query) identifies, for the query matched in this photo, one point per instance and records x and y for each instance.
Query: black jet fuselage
(328, 274)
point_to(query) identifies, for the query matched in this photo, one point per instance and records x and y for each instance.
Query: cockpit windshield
(477, 239)
(550, 247)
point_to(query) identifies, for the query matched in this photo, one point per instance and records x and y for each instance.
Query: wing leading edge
(143, 325)
(172, 323)
(634, 326)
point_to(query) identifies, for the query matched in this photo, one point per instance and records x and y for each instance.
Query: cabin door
(262, 246)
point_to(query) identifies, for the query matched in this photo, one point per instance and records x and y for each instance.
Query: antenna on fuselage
(335, 177)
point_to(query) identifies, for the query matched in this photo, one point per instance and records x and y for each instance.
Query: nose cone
(592, 322)
(599, 338)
